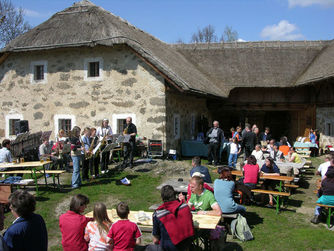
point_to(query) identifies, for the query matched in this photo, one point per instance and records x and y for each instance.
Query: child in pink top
(96, 231)
(124, 233)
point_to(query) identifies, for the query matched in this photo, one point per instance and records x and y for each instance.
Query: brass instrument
(125, 131)
(102, 145)
(90, 150)
(83, 147)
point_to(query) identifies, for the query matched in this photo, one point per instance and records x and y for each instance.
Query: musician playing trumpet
(85, 141)
(129, 147)
(104, 133)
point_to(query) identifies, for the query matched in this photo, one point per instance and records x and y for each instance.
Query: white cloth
(233, 148)
(102, 131)
(258, 155)
(323, 168)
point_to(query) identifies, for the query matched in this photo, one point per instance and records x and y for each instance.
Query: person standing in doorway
(215, 136)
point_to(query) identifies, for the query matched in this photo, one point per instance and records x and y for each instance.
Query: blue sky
(170, 20)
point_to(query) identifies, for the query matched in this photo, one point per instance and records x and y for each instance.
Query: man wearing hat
(104, 131)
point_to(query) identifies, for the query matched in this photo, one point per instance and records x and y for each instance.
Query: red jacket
(72, 227)
(177, 219)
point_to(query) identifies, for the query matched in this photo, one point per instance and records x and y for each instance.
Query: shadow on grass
(295, 203)
(253, 219)
(229, 246)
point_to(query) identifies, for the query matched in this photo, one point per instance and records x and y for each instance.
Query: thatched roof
(253, 64)
(212, 69)
(85, 24)
(321, 68)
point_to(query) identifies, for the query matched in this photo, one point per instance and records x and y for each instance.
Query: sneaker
(103, 171)
(315, 219)
(47, 175)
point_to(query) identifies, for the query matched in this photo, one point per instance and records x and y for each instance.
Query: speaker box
(21, 126)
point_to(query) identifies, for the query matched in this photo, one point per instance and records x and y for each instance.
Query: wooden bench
(330, 213)
(291, 185)
(276, 196)
(55, 173)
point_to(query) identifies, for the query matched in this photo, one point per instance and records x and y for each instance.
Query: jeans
(232, 158)
(76, 179)
(240, 209)
(317, 210)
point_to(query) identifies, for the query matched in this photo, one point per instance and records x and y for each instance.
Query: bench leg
(54, 180)
(329, 217)
(35, 178)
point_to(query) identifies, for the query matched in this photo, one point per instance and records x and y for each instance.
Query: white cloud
(306, 3)
(32, 13)
(241, 40)
(281, 31)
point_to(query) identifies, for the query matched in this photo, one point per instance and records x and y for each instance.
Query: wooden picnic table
(200, 221)
(279, 178)
(31, 165)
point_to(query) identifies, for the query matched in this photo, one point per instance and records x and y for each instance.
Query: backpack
(240, 229)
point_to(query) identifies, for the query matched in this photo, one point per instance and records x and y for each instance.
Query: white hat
(106, 120)
(198, 174)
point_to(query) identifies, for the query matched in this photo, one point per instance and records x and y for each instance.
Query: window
(329, 130)
(65, 122)
(10, 124)
(121, 125)
(192, 125)
(119, 121)
(38, 71)
(177, 128)
(93, 69)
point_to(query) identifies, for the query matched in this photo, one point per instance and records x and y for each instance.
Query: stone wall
(188, 108)
(325, 115)
(128, 86)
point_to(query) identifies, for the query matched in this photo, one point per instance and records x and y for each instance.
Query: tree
(12, 22)
(205, 35)
(229, 35)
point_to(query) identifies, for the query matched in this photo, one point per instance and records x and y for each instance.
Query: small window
(94, 69)
(38, 72)
(12, 126)
(121, 124)
(65, 124)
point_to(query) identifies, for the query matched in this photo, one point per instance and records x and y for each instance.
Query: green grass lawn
(290, 230)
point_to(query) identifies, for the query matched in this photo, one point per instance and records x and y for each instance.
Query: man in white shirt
(257, 152)
(5, 154)
(322, 170)
(104, 131)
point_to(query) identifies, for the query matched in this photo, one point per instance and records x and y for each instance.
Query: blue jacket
(203, 170)
(27, 234)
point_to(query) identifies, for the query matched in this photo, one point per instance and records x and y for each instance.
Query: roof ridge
(253, 44)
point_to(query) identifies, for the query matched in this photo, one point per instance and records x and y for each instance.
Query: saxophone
(90, 151)
(125, 131)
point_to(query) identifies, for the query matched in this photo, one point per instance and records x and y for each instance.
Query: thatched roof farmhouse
(84, 64)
